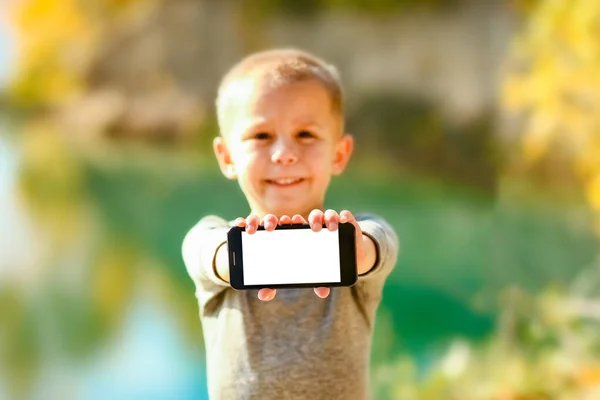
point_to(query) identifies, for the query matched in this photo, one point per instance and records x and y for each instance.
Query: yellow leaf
(593, 192)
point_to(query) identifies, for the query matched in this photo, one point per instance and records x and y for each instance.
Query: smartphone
(292, 256)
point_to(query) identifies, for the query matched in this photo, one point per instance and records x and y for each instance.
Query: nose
(284, 153)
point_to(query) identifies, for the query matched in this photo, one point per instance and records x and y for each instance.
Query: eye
(305, 135)
(262, 136)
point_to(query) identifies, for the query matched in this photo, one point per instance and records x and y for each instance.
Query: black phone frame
(347, 248)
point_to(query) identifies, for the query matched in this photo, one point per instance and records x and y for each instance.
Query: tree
(555, 83)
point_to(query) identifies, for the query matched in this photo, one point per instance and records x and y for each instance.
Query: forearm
(221, 263)
(205, 251)
(366, 261)
(383, 245)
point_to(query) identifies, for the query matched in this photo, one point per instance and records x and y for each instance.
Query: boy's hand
(365, 248)
(270, 222)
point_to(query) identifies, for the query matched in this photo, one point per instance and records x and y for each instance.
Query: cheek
(246, 161)
(251, 171)
(320, 157)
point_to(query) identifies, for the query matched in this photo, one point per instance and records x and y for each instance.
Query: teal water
(138, 336)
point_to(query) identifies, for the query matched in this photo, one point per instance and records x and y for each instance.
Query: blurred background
(478, 130)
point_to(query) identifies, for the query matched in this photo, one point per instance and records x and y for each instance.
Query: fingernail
(343, 219)
(332, 226)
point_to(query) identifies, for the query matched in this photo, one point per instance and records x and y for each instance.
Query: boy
(280, 114)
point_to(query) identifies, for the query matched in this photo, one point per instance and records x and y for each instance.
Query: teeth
(286, 181)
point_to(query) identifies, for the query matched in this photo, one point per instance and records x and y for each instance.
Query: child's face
(283, 146)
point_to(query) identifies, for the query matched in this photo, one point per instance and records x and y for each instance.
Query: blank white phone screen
(291, 256)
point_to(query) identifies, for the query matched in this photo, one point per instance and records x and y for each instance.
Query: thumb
(266, 294)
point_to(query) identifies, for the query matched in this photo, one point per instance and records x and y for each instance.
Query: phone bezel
(347, 249)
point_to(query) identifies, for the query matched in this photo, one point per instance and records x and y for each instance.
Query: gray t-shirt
(297, 346)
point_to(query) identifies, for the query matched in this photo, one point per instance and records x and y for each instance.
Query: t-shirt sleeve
(387, 247)
(199, 249)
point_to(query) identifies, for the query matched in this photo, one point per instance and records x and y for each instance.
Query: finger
(266, 294)
(298, 219)
(331, 219)
(315, 219)
(285, 220)
(241, 222)
(322, 292)
(252, 223)
(346, 216)
(270, 222)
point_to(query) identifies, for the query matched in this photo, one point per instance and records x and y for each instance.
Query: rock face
(157, 69)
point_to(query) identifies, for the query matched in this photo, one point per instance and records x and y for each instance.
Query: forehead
(308, 97)
(253, 98)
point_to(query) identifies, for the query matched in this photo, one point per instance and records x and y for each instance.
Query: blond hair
(279, 67)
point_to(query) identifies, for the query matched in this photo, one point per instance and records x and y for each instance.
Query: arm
(222, 262)
(204, 252)
(381, 236)
(367, 260)
(376, 242)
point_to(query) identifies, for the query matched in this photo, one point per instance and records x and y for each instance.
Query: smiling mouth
(285, 182)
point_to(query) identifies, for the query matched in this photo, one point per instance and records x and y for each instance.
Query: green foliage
(413, 132)
(545, 347)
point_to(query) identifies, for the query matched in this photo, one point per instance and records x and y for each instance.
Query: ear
(343, 151)
(224, 158)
